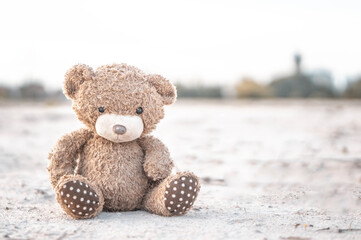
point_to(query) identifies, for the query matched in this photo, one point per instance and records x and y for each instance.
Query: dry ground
(270, 170)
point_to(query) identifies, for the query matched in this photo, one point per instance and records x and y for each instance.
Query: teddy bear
(113, 163)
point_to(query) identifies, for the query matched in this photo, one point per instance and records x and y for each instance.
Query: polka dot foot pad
(180, 194)
(79, 198)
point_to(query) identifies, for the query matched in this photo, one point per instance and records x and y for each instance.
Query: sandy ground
(270, 170)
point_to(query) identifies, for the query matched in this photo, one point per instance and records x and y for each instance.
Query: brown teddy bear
(113, 164)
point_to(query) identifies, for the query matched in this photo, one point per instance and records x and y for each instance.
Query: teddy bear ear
(164, 87)
(75, 77)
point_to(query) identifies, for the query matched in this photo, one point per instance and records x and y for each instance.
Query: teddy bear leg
(174, 196)
(78, 197)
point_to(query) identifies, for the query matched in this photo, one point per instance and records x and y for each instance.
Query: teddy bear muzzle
(119, 128)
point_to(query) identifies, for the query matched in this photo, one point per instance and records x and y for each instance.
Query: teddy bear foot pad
(79, 198)
(180, 194)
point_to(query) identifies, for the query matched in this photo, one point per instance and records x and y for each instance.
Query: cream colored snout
(119, 128)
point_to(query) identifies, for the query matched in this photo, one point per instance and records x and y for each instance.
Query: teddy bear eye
(101, 109)
(139, 110)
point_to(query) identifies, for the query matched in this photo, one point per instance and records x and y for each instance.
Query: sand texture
(269, 170)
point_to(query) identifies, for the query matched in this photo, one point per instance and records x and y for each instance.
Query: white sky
(212, 41)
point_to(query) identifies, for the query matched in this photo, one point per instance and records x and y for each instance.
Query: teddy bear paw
(180, 194)
(78, 199)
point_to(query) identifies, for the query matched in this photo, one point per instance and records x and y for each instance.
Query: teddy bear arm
(63, 156)
(157, 161)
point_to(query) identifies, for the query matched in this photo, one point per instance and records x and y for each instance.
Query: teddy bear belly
(119, 173)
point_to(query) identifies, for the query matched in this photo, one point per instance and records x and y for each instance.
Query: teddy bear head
(118, 102)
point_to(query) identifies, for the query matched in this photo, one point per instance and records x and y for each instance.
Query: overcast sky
(212, 41)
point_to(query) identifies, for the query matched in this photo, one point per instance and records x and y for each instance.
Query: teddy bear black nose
(119, 129)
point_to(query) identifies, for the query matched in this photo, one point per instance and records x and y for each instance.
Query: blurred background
(268, 113)
(218, 49)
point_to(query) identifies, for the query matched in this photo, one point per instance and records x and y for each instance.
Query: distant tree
(322, 92)
(353, 90)
(198, 91)
(33, 91)
(299, 86)
(4, 92)
(323, 83)
(56, 96)
(248, 88)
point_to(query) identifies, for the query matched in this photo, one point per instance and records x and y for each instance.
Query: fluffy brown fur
(124, 176)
